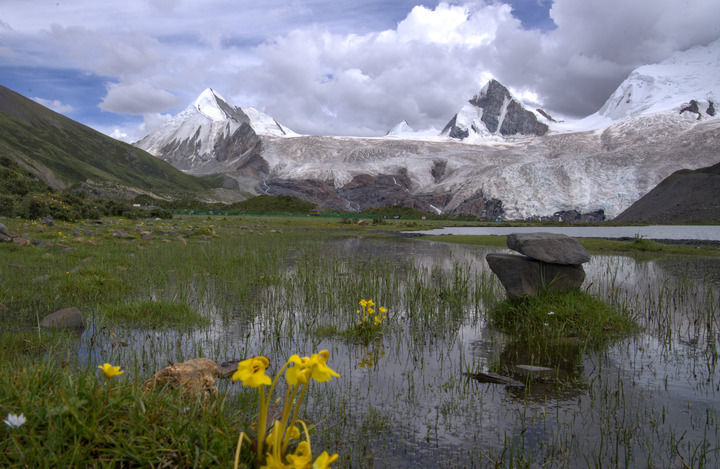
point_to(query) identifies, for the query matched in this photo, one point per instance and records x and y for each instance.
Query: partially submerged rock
(486, 377)
(197, 377)
(67, 318)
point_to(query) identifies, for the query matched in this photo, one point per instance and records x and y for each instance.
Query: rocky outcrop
(367, 191)
(503, 114)
(494, 111)
(480, 205)
(693, 107)
(550, 262)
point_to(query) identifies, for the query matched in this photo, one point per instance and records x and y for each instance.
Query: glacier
(605, 161)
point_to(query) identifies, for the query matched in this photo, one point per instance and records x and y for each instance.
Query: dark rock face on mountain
(515, 120)
(453, 130)
(494, 111)
(684, 197)
(692, 107)
(366, 191)
(480, 205)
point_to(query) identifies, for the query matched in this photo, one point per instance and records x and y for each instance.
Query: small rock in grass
(67, 318)
(197, 377)
(21, 241)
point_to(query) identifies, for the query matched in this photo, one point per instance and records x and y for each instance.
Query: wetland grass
(279, 286)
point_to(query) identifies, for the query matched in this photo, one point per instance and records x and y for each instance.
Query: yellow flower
(252, 372)
(300, 372)
(110, 371)
(302, 457)
(276, 432)
(378, 320)
(324, 460)
(271, 462)
(363, 303)
(371, 303)
(320, 371)
(383, 310)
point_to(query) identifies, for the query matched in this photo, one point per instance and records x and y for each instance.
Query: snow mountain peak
(211, 105)
(493, 113)
(211, 134)
(690, 75)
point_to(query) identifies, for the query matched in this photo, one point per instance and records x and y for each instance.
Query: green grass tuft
(558, 315)
(157, 314)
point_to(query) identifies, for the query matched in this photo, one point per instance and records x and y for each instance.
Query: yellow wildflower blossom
(324, 460)
(300, 372)
(302, 457)
(252, 372)
(320, 371)
(110, 371)
(271, 462)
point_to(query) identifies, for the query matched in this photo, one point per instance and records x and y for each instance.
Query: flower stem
(262, 418)
(295, 414)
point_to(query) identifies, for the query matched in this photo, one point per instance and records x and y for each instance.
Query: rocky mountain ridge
(495, 158)
(493, 111)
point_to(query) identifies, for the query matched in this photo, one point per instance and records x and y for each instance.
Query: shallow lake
(696, 232)
(404, 401)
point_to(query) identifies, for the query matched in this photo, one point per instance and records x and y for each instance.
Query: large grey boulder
(68, 318)
(522, 276)
(554, 248)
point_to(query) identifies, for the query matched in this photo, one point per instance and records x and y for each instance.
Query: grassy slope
(74, 153)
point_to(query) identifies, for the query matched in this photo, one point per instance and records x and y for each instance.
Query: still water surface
(696, 232)
(404, 401)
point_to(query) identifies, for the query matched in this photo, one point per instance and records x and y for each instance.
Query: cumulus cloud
(436, 58)
(137, 98)
(54, 104)
(319, 69)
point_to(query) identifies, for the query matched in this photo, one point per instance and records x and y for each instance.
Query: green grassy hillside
(63, 153)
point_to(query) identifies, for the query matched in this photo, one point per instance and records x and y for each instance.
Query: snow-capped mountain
(495, 159)
(692, 75)
(209, 133)
(493, 112)
(403, 128)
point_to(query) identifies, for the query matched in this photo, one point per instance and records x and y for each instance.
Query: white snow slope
(208, 119)
(605, 161)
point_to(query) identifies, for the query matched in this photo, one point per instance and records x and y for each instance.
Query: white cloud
(137, 98)
(318, 70)
(55, 105)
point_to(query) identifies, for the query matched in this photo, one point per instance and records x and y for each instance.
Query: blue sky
(332, 67)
